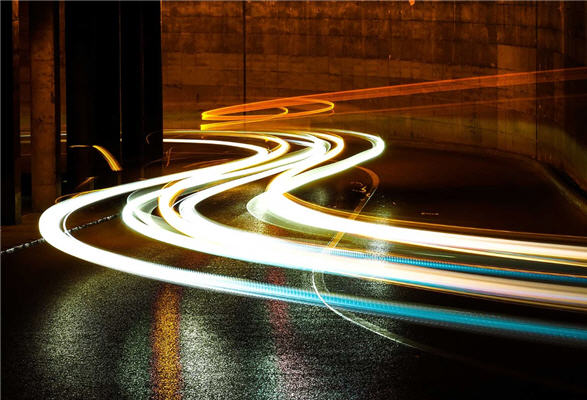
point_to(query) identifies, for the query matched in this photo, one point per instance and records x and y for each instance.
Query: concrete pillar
(45, 103)
(10, 133)
(141, 89)
(92, 48)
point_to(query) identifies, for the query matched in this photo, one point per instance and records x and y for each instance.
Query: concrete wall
(297, 48)
(202, 59)
(561, 124)
(293, 48)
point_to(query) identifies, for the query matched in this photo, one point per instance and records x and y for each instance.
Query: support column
(10, 134)
(93, 90)
(141, 90)
(45, 103)
(153, 88)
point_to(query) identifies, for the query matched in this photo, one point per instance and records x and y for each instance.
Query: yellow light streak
(110, 159)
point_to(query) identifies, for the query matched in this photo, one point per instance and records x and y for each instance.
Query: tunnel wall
(294, 48)
(202, 59)
(561, 128)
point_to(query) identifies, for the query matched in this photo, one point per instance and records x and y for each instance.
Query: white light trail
(211, 237)
(192, 230)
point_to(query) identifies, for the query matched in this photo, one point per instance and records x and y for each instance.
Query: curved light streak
(227, 113)
(295, 169)
(281, 206)
(53, 227)
(210, 237)
(228, 117)
(110, 159)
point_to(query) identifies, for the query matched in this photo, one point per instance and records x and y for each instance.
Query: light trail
(207, 236)
(53, 228)
(233, 115)
(282, 208)
(110, 159)
(317, 156)
(223, 114)
(437, 227)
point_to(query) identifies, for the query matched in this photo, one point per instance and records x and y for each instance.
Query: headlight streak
(440, 227)
(286, 209)
(264, 164)
(51, 230)
(261, 213)
(211, 237)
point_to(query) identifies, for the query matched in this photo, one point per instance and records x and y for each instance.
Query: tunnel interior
(236, 52)
(294, 199)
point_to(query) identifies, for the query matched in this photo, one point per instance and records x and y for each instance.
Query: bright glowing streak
(258, 248)
(52, 225)
(266, 163)
(425, 315)
(476, 82)
(275, 201)
(110, 159)
(222, 114)
(286, 209)
(428, 225)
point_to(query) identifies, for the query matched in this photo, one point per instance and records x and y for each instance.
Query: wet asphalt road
(71, 329)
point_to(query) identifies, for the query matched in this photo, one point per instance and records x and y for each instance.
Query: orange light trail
(226, 114)
(110, 159)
